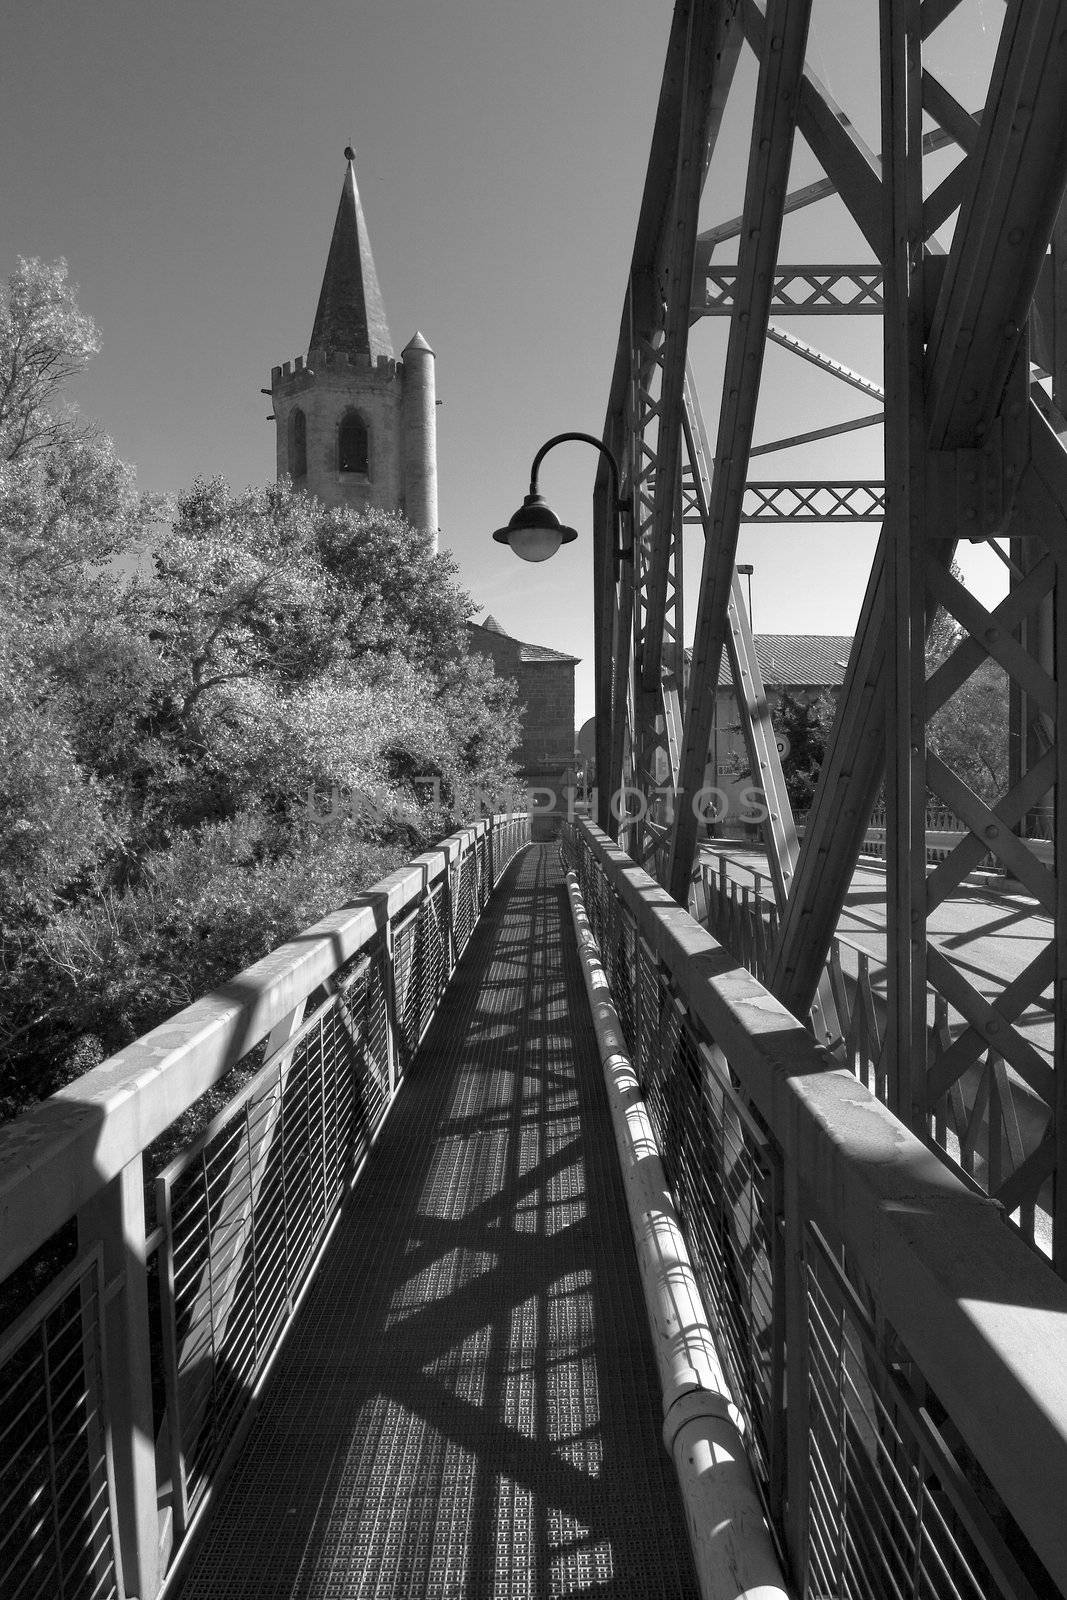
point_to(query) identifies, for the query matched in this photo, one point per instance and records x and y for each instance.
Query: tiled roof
(527, 652)
(541, 652)
(796, 660)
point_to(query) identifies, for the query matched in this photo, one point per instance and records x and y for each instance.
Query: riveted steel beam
(808, 195)
(875, 419)
(838, 147)
(780, 75)
(1020, 164)
(993, 298)
(836, 369)
(698, 117)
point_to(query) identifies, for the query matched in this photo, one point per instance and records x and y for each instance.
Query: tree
(45, 339)
(160, 736)
(805, 724)
(969, 732)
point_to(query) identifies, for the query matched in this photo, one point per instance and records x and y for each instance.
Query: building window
(298, 444)
(353, 445)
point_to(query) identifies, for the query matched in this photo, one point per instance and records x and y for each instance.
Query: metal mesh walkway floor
(466, 1407)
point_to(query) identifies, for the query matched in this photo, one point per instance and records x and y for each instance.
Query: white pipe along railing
(732, 1547)
(916, 1327)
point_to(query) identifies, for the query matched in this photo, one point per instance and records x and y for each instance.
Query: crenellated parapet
(294, 376)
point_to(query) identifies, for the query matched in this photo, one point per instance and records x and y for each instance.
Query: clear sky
(187, 160)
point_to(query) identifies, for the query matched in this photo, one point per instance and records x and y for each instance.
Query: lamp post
(535, 533)
(744, 571)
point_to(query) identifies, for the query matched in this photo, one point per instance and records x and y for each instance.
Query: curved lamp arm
(622, 506)
(535, 533)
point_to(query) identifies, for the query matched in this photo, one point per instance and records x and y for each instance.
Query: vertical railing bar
(253, 1239)
(284, 1171)
(391, 1035)
(169, 1315)
(53, 1475)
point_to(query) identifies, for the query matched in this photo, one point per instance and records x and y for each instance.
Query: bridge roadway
(467, 1404)
(992, 930)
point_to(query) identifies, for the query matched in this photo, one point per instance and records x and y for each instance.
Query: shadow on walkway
(467, 1406)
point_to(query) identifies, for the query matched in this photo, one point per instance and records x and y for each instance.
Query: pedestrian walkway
(466, 1407)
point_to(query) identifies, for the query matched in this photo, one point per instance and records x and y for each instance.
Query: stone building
(355, 426)
(545, 681)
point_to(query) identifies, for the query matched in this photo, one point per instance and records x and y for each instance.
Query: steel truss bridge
(381, 1328)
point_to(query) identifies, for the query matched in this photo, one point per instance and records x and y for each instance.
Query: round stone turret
(419, 410)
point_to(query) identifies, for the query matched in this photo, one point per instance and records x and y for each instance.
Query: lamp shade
(534, 532)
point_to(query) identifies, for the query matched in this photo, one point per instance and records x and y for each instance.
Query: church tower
(355, 426)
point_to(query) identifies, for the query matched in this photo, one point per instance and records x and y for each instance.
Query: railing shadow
(468, 1384)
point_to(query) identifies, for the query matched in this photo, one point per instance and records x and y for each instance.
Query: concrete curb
(732, 1548)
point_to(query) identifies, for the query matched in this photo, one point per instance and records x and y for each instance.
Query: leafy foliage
(970, 731)
(171, 745)
(806, 724)
(44, 340)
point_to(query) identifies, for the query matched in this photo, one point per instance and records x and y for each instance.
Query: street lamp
(535, 532)
(745, 571)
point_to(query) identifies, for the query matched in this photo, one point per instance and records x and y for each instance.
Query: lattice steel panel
(57, 1534)
(803, 502)
(805, 291)
(890, 1512)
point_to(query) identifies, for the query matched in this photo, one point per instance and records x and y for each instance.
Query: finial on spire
(350, 154)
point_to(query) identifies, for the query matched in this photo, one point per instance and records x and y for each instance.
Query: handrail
(60, 1153)
(979, 1314)
(702, 1428)
(989, 1120)
(242, 1216)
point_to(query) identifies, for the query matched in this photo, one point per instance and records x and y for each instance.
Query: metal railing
(896, 1350)
(126, 1382)
(57, 1524)
(986, 1123)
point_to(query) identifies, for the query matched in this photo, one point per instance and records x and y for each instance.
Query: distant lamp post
(535, 532)
(746, 572)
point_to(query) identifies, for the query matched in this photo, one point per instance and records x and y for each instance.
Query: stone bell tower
(355, 426)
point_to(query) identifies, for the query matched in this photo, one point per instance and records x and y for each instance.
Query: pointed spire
(350, 319)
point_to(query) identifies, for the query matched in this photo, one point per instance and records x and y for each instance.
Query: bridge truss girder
(974, 450)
